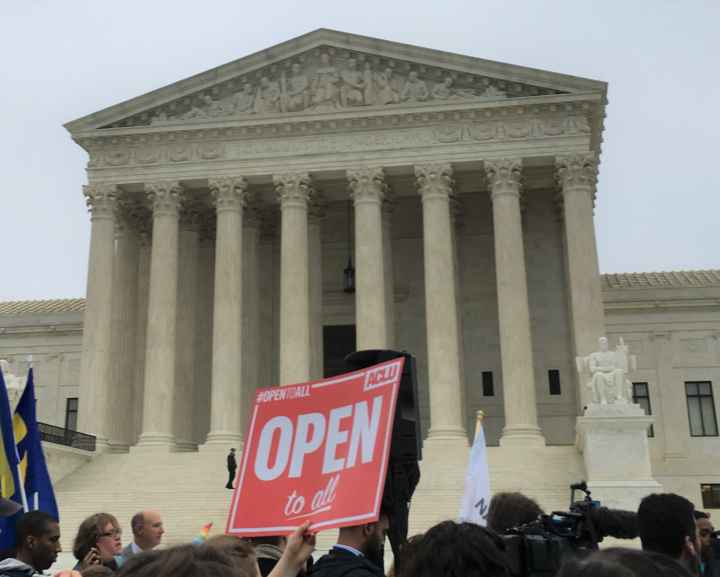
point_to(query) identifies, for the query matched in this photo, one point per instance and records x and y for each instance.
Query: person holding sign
(358, 552)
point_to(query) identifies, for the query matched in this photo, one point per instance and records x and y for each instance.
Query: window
(71, 413)
(488, 384)
(710, 495)
(554, 382)
(338, 342)
(701, 409)
(641, 396)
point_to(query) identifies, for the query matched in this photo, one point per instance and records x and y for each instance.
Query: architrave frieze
(441, 129)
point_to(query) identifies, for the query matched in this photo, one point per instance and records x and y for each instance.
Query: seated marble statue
(608, 369)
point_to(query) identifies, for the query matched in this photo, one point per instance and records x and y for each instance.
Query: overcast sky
(658, 202)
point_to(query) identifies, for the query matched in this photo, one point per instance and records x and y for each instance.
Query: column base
(117, 447)
(522, 437)
(102, 445)
(182, 446)
(155, 441)
(223, 439)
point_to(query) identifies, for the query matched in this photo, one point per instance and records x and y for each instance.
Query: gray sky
(659, 193)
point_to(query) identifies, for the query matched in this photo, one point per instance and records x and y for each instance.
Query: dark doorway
(338, 342)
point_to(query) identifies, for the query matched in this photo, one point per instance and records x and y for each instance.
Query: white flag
(476, 498)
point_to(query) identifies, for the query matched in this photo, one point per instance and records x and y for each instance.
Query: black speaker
(403, 472)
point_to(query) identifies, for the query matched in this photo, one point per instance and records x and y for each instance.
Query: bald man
(147, 528)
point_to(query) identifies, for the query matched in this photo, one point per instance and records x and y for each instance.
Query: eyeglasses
(113, 533)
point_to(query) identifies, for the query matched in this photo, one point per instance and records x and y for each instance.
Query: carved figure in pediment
(244, 101)
(385, 92)
(415, 90)
(369, 84)
(493, 92)
(159, 117)
(296, 91)
(267, 98)
(353, 85)
(325, 89)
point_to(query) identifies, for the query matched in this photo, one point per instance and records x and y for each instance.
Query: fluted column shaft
(123, 328)
(577, 175)
(435, 185)
(251, 310)
(294, 192)
(389, 272)
(186, 329)
(95, 371)
(143, 291)
(315, 218)
(226, 409)
(165, 197)
(513, 311)
(368, 189)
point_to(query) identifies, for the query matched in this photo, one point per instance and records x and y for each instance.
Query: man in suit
(147, 529)
(231, 467)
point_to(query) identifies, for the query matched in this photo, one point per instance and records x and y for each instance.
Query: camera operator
(508, 510)
(667, 525)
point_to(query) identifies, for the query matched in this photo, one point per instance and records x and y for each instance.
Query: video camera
(538, 549)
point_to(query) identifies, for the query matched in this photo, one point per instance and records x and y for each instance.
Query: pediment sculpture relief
(328, 80)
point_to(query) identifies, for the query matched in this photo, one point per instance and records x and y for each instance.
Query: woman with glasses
(98, 542)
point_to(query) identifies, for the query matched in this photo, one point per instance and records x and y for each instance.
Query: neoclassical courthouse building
(254, 223)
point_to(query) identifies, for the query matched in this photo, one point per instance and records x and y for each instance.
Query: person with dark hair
(455, 549)
(709, 567)
(508, 510)
(667, 525)
(357, 553)
(147, 529)
(37, 535)
(268, 551)
(620, 562)
(183, 561)
(239, 550)
(98, 542)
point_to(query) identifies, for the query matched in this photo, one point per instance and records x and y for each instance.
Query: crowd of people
(677, 541)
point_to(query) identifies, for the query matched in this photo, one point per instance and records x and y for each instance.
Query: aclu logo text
(381, 376)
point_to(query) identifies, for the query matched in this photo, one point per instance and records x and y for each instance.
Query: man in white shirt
(147, 528)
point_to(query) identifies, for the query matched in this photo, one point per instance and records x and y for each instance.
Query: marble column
(316, 214)
(159, 392)
(204, 326)
(185, 352)
(577, 175)
(294, 191)
(95, 365)
(143, 290)
(518, 377)
(251, 309)
(124, 317)
(368, 189)
(389, 271)
(435, 184)
(229, 195)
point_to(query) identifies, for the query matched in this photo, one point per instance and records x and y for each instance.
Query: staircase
(188, 488)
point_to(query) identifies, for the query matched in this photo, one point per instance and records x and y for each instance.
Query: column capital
(367, 183)
(435, 180)
(504, 176)
(228, 192)
(101, 199)
(165, 197)
(293, 188)
(577, 170)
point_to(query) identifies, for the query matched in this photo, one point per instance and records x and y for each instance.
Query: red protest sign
(317, 452)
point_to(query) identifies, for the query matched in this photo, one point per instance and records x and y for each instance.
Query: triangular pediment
(331, 72)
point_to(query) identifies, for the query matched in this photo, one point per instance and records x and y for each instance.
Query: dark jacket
(13, 568)
(341, 563)
(231, 462)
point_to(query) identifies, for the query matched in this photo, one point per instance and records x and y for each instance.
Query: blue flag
(10, 487)
(38, 487)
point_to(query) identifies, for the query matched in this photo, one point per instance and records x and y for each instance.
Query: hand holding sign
(317, 451)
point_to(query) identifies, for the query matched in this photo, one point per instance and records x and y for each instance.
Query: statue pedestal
(613, 441)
